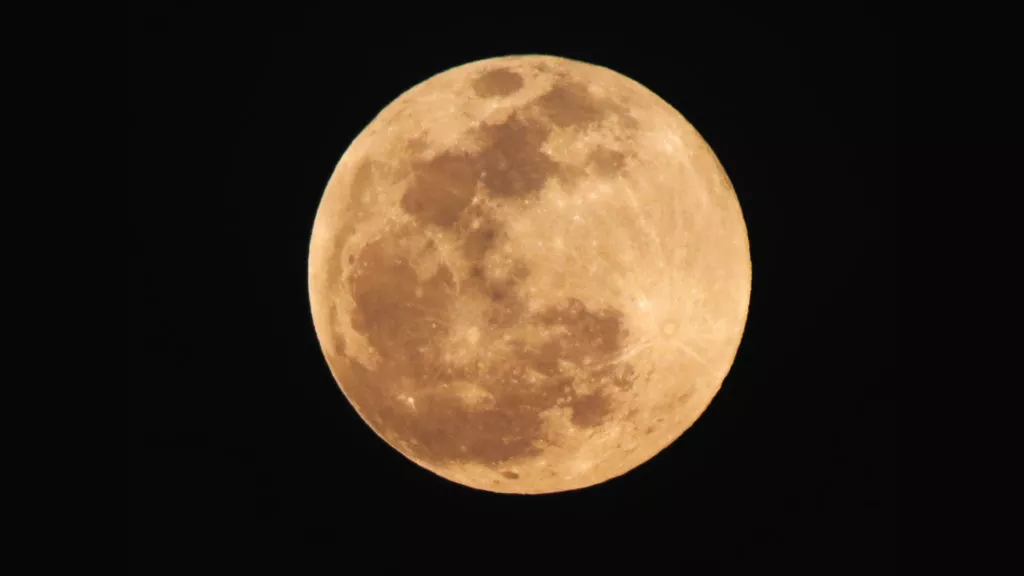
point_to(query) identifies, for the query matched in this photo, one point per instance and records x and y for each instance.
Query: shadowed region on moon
(512, 162)
(569, 104)
(488, 409)
(441, 189)
(497, 82)
(606, 162)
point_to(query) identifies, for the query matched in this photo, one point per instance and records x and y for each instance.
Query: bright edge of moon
(529, 274)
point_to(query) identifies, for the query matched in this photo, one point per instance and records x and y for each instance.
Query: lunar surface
(529, 274)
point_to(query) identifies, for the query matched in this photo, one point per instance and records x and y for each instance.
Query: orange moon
(529, 274)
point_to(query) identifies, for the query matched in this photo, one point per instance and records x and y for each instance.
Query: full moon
(529, 274)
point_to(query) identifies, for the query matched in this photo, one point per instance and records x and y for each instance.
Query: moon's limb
(529, 274)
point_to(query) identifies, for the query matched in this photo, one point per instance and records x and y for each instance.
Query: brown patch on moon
(595, 336)
(416, 146)
(480, 233)
(622, 115)
(497, 82)
(605, 161)
(570, 175)
(569, 104)
(362, 180)
(401, 316)
(362, 183)
(442, 188)
(339, 348)
(590, 410)
(513, 163)
(407, 320)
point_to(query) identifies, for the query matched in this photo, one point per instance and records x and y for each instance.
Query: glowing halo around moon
(529, 274)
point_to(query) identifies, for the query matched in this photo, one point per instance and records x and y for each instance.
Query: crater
(497, 82)
(510, 475)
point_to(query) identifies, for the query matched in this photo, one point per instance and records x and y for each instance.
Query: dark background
(248, 447)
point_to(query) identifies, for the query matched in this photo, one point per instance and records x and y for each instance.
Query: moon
(529, 274)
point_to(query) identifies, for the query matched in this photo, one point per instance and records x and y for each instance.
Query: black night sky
(250, 448)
